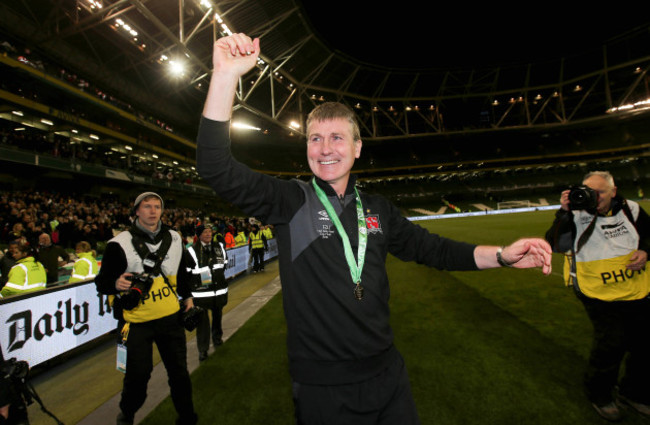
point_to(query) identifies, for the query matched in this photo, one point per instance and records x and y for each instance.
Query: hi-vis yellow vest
(85, 267)
(240, 239)
(25, 276)
(160, 301)
(256, 240)
(599, 266)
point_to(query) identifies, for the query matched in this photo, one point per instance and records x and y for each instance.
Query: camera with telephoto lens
(582, 198)
(140, 286)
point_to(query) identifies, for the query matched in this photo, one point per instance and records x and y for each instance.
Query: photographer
(145, 269)
(606, 240)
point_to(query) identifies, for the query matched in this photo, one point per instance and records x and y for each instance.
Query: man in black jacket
(333, 241)
(7, 262)
(51, 256)
(209, 287)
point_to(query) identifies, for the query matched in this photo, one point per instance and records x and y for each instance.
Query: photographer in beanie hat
(146, 195)
(145, 268)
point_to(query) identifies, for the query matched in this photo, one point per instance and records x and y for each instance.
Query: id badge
(206, 277)
(121, 358)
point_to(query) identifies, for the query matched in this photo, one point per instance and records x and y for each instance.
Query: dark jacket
(562, 232)
(49, 257)
(333, 338)
(6, 263)
(215, 259)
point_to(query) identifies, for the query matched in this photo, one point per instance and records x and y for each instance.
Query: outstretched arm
(521, 254)
(232, 57)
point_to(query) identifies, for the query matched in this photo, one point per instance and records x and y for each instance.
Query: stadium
(473, 122)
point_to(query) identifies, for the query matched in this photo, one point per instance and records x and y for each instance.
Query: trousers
(620, 330)
(169, 336)
(383, 400)
(205, 329)
(258, 259)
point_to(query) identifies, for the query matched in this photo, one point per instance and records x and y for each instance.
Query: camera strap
(145, 253)
(626, 209)
(584, 237)
(590, 229)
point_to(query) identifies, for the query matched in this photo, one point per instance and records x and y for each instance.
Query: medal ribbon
(355, 269)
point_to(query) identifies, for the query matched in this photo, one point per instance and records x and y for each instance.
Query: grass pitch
(500, 346)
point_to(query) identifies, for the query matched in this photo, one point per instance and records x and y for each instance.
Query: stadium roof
(316, 50)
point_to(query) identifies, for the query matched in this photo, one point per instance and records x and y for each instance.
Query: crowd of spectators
(69, 219)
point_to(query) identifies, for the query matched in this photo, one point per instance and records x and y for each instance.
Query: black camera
(14, 369)
(140, 286)
(191, 317)
(20, 393)
(582, 198)
(15, 390)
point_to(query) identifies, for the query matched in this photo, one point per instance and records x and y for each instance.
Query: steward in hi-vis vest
(256, 246)
(606, 239)
(26, 275)
(240, 238)
(86, 266)
(209, 287)
(145, 269)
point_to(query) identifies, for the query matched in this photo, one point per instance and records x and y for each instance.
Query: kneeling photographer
(145, 269)
(606, 239)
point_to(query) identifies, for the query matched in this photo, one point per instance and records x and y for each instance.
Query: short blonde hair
(333, 110)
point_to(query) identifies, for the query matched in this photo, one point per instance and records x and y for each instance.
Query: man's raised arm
(233, 56)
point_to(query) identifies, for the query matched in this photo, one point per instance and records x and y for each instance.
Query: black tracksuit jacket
(333, 338)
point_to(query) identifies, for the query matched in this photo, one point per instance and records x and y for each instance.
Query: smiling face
(331, 151)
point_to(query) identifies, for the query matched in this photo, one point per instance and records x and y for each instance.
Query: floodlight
(244, 126)
(176, 67)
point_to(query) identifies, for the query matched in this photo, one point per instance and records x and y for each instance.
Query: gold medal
(355, 265)
(358, 291)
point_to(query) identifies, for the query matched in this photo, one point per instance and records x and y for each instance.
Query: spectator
(51, 256)
(7, 262)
